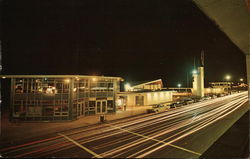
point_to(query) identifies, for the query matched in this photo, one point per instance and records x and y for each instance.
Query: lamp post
(228, 77)
(179, 86)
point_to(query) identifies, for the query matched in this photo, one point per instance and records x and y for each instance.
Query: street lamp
(228, 77)
(241, 79)
(179, 86)
(194, 71)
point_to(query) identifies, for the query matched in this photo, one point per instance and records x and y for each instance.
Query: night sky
(133, 39)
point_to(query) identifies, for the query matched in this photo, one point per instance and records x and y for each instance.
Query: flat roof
(220, 82)
(57, 76)
(145, 91)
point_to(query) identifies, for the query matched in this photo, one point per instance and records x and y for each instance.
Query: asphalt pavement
(184, 132)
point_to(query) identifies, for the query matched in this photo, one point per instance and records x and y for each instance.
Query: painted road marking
(82, 147)
(147, 137)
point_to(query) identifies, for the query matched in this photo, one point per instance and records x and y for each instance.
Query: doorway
(80, 109)
(101, 107)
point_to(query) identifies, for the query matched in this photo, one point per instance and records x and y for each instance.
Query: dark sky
(134, 39)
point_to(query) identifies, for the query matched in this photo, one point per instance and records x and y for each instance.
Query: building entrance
(101, 107)
(80, 109)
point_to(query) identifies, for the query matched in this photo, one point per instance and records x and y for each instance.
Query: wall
(214, 90)
(158, 97)
(149, 97)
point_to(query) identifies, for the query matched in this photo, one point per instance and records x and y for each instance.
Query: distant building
(223, 85)
(62, 97)
(143, 94)
(144, 85)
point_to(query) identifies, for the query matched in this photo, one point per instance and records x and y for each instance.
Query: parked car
(207, 97)
(158, 108)
(188, 101)
(214, 96)
(221, 95)
(172, 105)
(179, 103)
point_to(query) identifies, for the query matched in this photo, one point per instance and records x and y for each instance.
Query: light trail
(151, 151)
(129, 145)
(159, 130)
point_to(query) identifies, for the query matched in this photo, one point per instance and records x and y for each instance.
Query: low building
(144, 93)
(62, 97)
(143, 98)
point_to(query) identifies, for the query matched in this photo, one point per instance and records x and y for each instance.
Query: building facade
(143, 98)
(62, 97)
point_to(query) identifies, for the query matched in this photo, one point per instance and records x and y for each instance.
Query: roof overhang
(58, 76)
(232, 17)
(158, 80)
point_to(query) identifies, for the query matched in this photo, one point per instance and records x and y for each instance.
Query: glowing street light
(241, 79)
(194, 72)
(228, 77)
(179, 86)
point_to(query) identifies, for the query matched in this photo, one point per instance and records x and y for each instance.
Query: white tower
(198, 83)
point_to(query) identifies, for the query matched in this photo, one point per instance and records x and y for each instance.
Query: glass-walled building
(62, 97)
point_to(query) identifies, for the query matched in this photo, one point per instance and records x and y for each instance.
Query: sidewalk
(14, 132)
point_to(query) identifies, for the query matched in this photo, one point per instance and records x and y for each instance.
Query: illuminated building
(62, 97)
(143, 94)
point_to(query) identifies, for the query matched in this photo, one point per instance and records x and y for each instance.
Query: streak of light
(153, 150)
(82, 147)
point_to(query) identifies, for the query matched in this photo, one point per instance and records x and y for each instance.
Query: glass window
(19, 86)
(110, 104)
(139, 100)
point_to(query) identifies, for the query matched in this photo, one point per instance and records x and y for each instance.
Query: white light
(194, 72)
(127, 87)
(67, 80)
(119, 102)
(49, 91)
(179, 85)
(241, 79)
(228, 77)
(3, 77)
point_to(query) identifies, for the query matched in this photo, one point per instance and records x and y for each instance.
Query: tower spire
(202, 58)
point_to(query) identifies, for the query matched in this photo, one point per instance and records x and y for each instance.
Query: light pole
(179, 86)
(228, 77)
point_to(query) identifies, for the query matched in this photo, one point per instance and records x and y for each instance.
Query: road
(183, 132)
